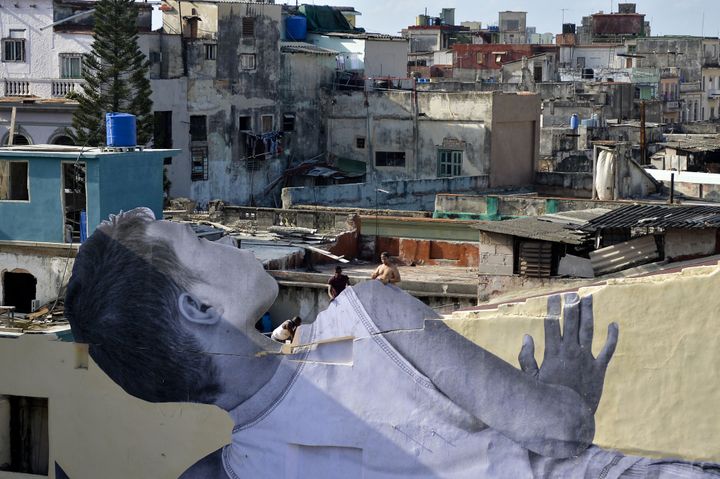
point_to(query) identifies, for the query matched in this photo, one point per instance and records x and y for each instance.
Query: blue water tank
(296, 28)
(574, 121)
(120, 130)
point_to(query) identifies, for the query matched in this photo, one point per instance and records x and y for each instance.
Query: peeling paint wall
(422, 124)
(51, 272)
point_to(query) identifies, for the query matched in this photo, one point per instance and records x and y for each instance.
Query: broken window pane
(14, 181)
(390, 158)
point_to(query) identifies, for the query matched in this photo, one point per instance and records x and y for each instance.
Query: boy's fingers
(586, 322)
(609, 349)
(552, 324)
(571, 319)
(527, 356)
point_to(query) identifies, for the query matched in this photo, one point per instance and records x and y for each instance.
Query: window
(449, 163)
(210, 51)
(199, 163)
(27, 431)
(288, 122)
(480, 58)
(248, 27)
(267, 123)
(360, 142)
(247, 61)
(70, 65)
(198, 128)
(14, 181)
(245, 123)
(498, 58)
(13, 49)
(390, 158)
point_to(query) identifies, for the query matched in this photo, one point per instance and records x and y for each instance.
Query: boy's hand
(568, 359)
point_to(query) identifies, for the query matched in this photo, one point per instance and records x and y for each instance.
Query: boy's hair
(122, 300)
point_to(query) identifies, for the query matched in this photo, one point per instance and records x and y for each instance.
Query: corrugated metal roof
(303, 47)
(533, 227)
(624, 255)
(561, 227)
(658, 216)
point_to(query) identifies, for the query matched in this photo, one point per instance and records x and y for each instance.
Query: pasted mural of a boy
(170, 317)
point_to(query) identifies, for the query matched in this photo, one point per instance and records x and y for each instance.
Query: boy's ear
(193, 310)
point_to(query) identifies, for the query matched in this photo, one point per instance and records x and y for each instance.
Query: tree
(116, 75)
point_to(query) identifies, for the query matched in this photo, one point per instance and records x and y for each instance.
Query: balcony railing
(61, 88)
(17, 88)
(40, 88)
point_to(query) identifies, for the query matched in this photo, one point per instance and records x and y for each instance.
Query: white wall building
(41, 62)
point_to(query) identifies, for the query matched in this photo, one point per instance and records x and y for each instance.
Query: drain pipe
(672, 188)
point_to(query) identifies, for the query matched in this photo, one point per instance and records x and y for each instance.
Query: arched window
(62, 140)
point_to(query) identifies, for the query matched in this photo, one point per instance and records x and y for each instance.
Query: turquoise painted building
(43, 189)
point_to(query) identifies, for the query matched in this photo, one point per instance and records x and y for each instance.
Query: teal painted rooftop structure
(114, 181)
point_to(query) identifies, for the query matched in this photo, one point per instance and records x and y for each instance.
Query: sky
(667, 17)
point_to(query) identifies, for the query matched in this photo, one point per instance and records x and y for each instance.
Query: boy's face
(228, 279)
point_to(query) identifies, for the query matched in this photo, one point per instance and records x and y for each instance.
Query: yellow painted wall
(98, 431)
(661, 394)
(662, 389)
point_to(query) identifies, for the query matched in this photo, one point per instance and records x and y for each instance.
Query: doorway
(19, 290)
(74, 199)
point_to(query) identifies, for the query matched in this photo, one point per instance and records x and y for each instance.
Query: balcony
(40, 88)
(713, 93)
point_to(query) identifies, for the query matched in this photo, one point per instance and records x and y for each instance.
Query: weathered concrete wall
(416, 195)
(207, 13)
(690, 243)
(564, 184)
(301, 78)
(239, 90)
(554, 139)
(497, 257)
(515, 139)
(171, 95)
(659, 396)
(511, 206)
(386, 58)
(51, 271)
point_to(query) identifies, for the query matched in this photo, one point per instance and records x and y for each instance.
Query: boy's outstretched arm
(549, 409)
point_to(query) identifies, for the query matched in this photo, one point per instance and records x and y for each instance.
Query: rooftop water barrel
(574, 121)
(120, 130)
(296, 28)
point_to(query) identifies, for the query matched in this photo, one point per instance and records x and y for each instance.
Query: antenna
(563, 10)
(702, 27)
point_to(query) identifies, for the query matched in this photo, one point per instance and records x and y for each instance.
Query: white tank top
(355, 408)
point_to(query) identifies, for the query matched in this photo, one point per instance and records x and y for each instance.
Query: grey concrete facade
(405, 134)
